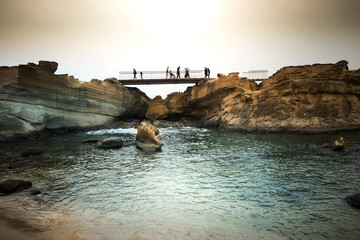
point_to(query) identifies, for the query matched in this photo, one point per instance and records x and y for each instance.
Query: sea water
(204, 184)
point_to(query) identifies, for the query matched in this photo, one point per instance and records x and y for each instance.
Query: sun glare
(170, 17)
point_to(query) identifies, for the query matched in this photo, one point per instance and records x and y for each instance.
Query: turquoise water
(204, 184)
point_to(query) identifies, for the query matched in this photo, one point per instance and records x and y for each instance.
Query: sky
(98, 38)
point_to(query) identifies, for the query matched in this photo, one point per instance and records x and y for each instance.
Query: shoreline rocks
(300, 99)
(34, 100)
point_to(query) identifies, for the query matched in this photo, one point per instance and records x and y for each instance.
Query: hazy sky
(96, 39)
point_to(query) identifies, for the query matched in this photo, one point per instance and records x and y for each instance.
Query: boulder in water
(10, 186)
(146, 137)
(109, 143)
(338, 145)
(354, 200)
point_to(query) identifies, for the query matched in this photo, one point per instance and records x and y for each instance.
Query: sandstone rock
(111, 143)
(354, 200)
(10, 186)
(34, 99)
(311, 98)
(146, 139)
(338, 145)
(157, 109)
(178, 105)
(31, 152)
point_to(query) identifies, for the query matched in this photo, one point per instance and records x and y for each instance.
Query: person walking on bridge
(178, 72)
(134, 72)
(187, 73)
(167, 72)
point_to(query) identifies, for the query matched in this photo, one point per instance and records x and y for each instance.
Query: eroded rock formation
(318, 97)
(33, 99)
(146, 137)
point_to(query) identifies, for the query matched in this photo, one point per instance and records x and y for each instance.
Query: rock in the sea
(354, 200)
(338, 145)
(10, 186)
(146, 139)
(33, 99)
(31, 152)
(109, 143)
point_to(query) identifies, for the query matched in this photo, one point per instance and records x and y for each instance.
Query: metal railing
(256, 74)
(123, 75)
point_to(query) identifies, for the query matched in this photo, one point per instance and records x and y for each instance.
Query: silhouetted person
(187, 73)
(134, 72)
(207, 72)
(167, 72)
(141, 74)
(178, 72)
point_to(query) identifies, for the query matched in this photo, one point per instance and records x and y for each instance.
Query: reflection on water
(204, 184)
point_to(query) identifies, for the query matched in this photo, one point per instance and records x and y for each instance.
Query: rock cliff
(33, 99)
(311, 98)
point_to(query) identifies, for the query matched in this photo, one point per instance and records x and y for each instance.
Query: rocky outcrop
(157, 109)
(311, 98)
(34, 99)
(146, 137)
(10, 186)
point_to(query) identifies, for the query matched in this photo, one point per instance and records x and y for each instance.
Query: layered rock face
(319, 97)
(33, 99)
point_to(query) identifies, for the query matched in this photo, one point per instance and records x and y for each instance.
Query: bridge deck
(161, 81)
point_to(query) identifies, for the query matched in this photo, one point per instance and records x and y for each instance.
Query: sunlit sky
(97, 39)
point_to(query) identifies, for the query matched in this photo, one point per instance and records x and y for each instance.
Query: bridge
(159, 77)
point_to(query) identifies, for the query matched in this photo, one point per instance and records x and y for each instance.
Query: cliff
(33, 99)
(311, 98)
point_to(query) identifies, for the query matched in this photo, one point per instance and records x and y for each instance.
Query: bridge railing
(124, 75)
(256, 74)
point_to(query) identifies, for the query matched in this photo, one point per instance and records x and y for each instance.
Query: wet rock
(109, 143)
(23, 164)
(10, 186)
(90, 141)
(35, 192)
(338, 145)
(354, 200)
(31, 152)
(146, 139)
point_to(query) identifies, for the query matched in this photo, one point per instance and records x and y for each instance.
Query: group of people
(135, 73)
(172, 75)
